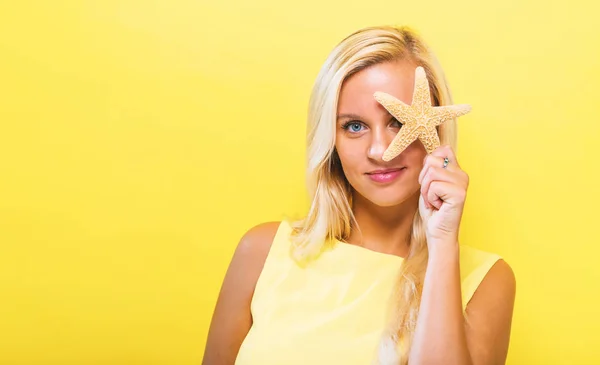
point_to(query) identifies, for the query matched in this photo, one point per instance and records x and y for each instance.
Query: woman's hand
(443, 195)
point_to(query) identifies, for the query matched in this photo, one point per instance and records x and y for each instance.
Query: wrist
(444, 250)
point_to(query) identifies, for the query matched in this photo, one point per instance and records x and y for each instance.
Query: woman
(375, 272)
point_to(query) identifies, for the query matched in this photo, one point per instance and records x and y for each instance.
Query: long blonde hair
(330, 216)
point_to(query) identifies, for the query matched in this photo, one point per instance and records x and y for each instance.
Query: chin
(386, 202)
(386, 198)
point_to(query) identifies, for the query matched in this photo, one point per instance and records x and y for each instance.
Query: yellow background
(140, 139)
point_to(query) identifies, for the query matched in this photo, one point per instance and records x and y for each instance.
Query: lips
(385, 175)
(384, 171)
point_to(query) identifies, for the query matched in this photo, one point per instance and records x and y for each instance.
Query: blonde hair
(330, 216)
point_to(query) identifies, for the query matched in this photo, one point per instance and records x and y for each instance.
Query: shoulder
(500, 279)
(255, 244)
(251, 255)
(481, 270)
(489, 314)
(247, 262)
(232, 316)
(502, 270)
(249, 258)
(258, 238)
(487, 276)
(491, 264)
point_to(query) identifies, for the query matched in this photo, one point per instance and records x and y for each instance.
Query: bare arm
(490, 314)
(441, 336)
(231, 318)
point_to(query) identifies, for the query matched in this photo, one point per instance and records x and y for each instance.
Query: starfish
(419, 120)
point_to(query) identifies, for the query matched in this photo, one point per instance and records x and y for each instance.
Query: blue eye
(353, 126)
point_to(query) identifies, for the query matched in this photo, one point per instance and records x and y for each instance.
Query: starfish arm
(403, 139)
(440, 114)
(430, 140)
(394, 106)
(421, 93)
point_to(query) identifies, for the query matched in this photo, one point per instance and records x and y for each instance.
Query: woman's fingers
(433, 170)
(435, 174)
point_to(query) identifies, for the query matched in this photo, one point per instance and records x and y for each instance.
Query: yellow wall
(140, 139)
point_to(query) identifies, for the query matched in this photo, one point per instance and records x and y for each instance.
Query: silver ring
(445, 162)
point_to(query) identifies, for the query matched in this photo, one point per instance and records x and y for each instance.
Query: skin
(384, 213)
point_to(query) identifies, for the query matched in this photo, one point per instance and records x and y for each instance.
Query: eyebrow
(353, 116)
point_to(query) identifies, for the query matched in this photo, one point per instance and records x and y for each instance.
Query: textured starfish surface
(419, 120)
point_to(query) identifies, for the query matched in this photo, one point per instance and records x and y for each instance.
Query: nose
(380, 140)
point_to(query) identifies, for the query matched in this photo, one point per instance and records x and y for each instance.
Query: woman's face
(365, 129)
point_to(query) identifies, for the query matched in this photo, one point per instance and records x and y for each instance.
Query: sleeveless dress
(332, 311)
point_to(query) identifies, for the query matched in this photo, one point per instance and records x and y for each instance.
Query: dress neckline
(366, 251)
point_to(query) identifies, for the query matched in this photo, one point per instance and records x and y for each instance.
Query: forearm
(439, 336)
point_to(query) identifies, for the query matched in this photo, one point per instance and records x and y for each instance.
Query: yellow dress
(334, 310)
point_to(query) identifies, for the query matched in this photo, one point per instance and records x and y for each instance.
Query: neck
(384, 229)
